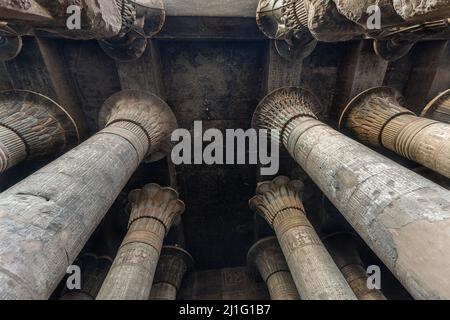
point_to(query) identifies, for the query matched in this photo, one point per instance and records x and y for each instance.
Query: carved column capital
(153, 202)
(379, 117)
(145, 112)
(173, 264)
(278, 18)
(33, 126)
(266, 257)
(100, 18)
(280, 109)
(344, 250)
(278, 199)
(121, 26)
(343, 20)
(368, 113)
(439, 108)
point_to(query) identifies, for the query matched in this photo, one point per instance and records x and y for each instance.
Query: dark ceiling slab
(218, 83)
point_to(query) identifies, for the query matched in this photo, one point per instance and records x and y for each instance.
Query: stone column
(93, 272)
(46, 219)
(378, 117)
(100, 18)
(344, 251)
(266, 257)
(402, 216)
(439, 108)
(32, 126)
(121, 26)
(173, 265)
(338, 20)
(131, 276)
(313, 270)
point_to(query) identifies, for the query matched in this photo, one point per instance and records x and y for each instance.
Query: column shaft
(313, 270)
(46, 219)
(402, 216)
(131, 275)
(378, 117)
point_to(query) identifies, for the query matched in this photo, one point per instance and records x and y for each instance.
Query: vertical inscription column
(314, 272)
(131, 276)
(266, 256)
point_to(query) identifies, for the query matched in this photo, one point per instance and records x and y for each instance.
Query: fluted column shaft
(313, 270)
(32, 126)
(402, 216)
(131, 275)
(266, 256)
(378, 117)
(46, 219)
(344, 252)
(173, 264)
